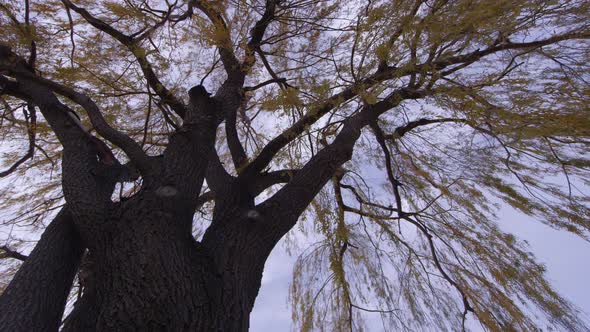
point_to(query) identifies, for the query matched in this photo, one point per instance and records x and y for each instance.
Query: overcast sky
(565, 255)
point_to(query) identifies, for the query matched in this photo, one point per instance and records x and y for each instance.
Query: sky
(565, 255)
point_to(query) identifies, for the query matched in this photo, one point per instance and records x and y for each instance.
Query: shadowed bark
(36, 297)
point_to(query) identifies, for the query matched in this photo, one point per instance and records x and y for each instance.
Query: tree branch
(257, 32)
(256, 186)
(231, 95)
(13, 254)
(236, 148)
(230, 62)
(402, 130)
(132, 44)
(87, 183)
(395, 184)
(265, 83)
(382, 74)
(13, 64)
(217, 176)
(190, 148)
(31, 120)
(291, 200)
(424, 230)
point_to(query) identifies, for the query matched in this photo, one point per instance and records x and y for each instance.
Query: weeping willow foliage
(406, 230)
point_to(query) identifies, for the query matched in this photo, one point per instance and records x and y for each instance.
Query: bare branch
(31, 118)
(395, 184)
(466, 305)
(13, 253)
(265, 83)
(133, 45)
(402, 130)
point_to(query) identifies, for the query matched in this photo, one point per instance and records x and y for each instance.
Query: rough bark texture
(35, 299)
(147, 273)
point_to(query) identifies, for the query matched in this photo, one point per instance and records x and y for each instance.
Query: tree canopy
(426, 116)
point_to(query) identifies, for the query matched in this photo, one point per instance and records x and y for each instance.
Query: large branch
(231, 92)
(190, 148)
(257, 32)
(132, 44)
(236, 149)
(36, 297)
(53, 110)
(255, 187)
(15, 66)
(383, 74)
(86, 182)
(291, 200)
(217, 176)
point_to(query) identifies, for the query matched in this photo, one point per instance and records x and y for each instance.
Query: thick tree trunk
(143, 272)
(147, 273)
(239, 254)
(35, 298)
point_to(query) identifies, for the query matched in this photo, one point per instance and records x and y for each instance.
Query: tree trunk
(147, 273)
(143, 272)
(35, 298)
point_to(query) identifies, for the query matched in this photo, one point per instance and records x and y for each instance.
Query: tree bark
(147, 272)
(35, 298)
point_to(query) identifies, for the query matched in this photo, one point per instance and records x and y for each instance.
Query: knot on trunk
(252, 215)
(166, 191)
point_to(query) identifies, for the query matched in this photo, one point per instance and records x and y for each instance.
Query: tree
(165, 222)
